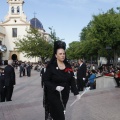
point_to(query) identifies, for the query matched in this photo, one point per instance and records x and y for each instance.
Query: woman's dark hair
(57, 45)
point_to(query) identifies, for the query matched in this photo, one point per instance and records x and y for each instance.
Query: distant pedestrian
(2, 86)
(28, 69)
(81, 75)
(9, 80)
(117, 78)
(93, 67)
(21, 69)
(42, 73)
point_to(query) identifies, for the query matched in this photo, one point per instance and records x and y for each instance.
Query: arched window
(18, 9)
(12, 9)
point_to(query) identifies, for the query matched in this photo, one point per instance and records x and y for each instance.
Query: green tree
(73, 52)
(106, 29)
(89, 45)
(34, 45)
(103, 30)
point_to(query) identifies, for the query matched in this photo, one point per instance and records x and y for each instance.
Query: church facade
(14, 26)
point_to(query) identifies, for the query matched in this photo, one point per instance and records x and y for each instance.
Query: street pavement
(100, 104)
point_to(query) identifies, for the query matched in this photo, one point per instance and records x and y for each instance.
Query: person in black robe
(24, 69)
(42, 73)
(58, 80)
(28, 69)
(2, 86)
(81, 75)
(9, 80)
(21, 69)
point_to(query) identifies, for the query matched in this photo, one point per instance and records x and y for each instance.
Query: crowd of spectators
(103, 70)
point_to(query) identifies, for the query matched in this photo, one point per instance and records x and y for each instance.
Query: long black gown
(56, 101)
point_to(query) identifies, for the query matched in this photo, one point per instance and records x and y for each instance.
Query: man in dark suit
(42, 72)
(24, 68)
(9, 80)
(81, 75)
(29, 69)
(21, 69)
(2, 86)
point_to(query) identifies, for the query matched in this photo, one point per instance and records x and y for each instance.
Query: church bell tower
(15, 25)
(15, 10)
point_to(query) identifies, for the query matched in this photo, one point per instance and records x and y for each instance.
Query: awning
(3, 48)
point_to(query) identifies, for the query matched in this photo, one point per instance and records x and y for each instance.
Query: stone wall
(105, 82)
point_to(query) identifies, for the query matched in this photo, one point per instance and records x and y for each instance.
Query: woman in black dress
(58, 80)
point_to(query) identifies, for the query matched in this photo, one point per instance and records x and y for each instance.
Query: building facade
(14, 26)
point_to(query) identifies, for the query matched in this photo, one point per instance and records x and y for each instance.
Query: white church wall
(9, 40)
(16, 19)
(2, 34)
(2, 30)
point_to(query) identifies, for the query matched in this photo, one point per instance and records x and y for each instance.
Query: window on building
(14, 32)
(0, 42)
(18, 10)
(12, 9)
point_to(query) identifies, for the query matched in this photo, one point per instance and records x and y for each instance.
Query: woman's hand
(59, 88)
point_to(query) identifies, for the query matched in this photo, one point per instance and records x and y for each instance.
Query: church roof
(35, 23)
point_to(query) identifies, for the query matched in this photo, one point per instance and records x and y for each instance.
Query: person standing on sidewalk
(58, 80)
(21, 69)
(9, 80)
(2, 86)
(28, 69)
(117, 78)
(42, 73)
(81, 75)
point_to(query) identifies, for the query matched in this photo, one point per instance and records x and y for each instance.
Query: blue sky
(67, 17)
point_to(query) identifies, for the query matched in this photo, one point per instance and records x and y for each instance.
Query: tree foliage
(73, 50)
(107, 28)
(34, 45)
(102, 31)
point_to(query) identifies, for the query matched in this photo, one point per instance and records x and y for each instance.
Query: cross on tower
(35, 18)
(34, 14)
